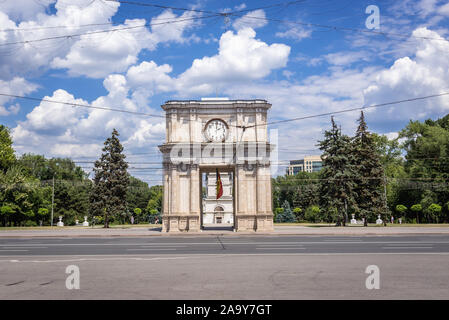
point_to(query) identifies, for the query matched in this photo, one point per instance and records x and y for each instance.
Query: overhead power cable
(68, 36)
(238, 126)
(337, 28)
(144, 4)
(352, 109)
(82, 105)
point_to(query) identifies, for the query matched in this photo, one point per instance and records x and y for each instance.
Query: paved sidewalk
(278, 230)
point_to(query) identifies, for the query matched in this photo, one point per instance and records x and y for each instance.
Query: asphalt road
(225, 245)
(226, 267)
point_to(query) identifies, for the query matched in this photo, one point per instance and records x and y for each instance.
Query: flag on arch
(219, 185)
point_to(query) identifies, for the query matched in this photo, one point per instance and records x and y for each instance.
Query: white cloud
(146, 132)
(444, 10)
(241, 58)
(346, 57)
(150, 77)
(117, 50)
(29, 58)
(426, 74)
(20, 10)
(16, 86)
(55, 117)
(104, 50)
(295, 33)
(254, 19)
(96, 56)
(12, 109)
(62, 130)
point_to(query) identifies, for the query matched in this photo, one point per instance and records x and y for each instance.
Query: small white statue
(379, 220)
(353, 221)
(85, 223)
(60, 223)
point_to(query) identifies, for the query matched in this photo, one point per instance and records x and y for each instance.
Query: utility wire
(337, 28)
(352, 109)
(144, 4)
(68, 36)
(82, 105)
(244, 127)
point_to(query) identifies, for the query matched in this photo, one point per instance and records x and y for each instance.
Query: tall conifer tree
(337, 177)
(108, 197)
(369, 173)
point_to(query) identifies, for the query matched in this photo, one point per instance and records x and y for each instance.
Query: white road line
(23, 247)
(232, 243)
(163, 246)
(280, 248)
(15, 250)
(280, 245)
(407, 247)
(151, 249)
(146, 257)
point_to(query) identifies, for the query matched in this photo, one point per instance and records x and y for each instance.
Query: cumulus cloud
(62, 130)
(240, 58)
(13, 109)
(15, 86)
(425, 74)
(29, 58)
(20, 10)
(96, 56)
(101, 49)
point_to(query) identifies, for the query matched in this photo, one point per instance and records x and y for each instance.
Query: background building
(308, 164)
(218, 211)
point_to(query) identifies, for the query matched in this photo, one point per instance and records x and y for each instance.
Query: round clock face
(216, 130)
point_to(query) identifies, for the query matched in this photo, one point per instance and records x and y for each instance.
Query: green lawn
(318, 225)
(98, 226)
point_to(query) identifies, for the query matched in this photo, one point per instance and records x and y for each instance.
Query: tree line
(29, 182)
(366, 175)
(370, 175)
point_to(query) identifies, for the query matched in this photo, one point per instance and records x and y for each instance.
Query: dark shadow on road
(218, 228)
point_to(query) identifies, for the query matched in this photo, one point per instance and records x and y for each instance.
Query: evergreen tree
(7, 157)
(108, 196)
(369, 173)
(337, 187)
(287, 215)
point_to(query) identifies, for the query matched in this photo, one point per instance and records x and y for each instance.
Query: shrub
(312, 213)
(30, 223)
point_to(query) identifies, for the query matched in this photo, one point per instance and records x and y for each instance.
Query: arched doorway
(218, 214)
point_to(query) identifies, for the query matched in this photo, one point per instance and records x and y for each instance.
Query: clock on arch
(216, 130)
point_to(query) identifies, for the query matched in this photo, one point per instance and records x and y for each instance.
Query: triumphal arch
(216, 137)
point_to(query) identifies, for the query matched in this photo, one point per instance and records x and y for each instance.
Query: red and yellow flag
(219, 186)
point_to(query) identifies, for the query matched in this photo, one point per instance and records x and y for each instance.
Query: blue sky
(287, 54)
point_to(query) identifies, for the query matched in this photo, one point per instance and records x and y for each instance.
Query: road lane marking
(280, 248)
(230, 243)
(23, 247)
(15, 250)
(162, 246)
(105, 257)
(407, 247)
(151, 249)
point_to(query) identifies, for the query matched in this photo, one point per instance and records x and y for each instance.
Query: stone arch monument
(203, 136)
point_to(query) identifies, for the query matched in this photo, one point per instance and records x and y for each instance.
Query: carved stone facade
(205, 135)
